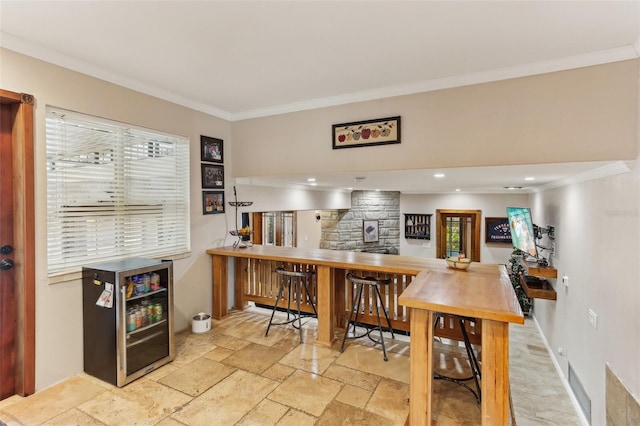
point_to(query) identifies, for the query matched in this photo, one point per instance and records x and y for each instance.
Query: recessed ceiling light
(529, 178)
(311, 179)
(439, 175)
(512, 187)
(458, 189)
(313, 184)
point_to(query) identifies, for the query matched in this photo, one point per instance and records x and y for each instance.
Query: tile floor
(234, 375)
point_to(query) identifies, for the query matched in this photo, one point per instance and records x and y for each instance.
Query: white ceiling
(244, 59)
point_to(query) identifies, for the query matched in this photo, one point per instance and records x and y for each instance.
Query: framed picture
(212, 202)
(496, 230)
(370, 231)
(211, 149)
(212, 176)
(381, 131)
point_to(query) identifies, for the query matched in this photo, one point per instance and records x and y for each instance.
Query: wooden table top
(334, 258)
(482, 291)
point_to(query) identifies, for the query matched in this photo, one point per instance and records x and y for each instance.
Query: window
(113, 191)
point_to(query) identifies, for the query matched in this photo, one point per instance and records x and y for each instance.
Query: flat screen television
(522, 230)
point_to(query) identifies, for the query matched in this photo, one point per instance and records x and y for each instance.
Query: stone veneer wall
(342, 229)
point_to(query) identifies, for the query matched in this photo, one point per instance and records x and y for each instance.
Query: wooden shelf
(543, 290)
(417, 226)
(537, 270)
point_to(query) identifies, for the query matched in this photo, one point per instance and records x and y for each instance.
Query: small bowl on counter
(456, 263)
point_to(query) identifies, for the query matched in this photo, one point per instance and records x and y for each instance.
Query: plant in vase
(515, 270)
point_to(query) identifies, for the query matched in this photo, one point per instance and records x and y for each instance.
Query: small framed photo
(212, 176)
(211, 149)
(370, 231)
(212, 202)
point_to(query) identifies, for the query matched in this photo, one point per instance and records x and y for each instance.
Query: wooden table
(483, 291)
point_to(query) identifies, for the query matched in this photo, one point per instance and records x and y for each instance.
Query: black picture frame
(212, 176)
(380, 131)
(370, 231)
(211, 149)
(212, 202)
(496, 230)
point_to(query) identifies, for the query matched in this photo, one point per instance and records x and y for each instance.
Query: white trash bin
(201, 323)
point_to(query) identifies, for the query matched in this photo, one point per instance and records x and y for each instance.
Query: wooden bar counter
(483, 291)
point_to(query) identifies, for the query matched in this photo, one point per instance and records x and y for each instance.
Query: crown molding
(611, 169)
(562, 64)
(11, 42)
(19, 45)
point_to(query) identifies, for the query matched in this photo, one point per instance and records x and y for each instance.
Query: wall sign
(497, 230)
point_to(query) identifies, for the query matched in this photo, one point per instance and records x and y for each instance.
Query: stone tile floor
(234, 375)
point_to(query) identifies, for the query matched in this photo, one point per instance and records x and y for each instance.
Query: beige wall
(597, 247)
(491, 205)
(59, 305)
(578, 115)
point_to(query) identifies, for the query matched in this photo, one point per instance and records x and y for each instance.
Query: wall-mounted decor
(212, 202)
(211, 149)
(417, 226)
(381, 131)
(370, 231)
(496, 230)
(212, 176)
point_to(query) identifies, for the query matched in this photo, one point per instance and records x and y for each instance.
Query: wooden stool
(375, 284)
(294, 282)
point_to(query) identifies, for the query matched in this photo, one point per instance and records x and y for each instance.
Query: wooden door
(7, 281)
(17, 245)
(470, 231)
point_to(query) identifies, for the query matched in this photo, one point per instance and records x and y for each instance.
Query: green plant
(515, 269)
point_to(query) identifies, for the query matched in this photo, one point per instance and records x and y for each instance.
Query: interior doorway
(458, 232)
(275, 228)
(17, 246)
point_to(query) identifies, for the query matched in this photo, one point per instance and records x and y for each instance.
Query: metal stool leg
(473, 363)
(356, 308)
(297, 287)
(385, 313)
(384, 349)
(273, 312)
(313, 305)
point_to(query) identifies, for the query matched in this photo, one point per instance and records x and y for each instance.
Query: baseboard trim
(563, 378)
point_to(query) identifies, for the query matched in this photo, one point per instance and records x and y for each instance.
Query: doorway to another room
(458, 233)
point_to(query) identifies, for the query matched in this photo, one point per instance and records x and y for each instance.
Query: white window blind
(113, 191)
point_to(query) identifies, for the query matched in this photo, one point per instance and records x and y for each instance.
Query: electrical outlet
(593, 318)
(565, 281)
(562, 351)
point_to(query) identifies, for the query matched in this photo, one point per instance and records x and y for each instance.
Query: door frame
(441, 232)
(24, 237)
